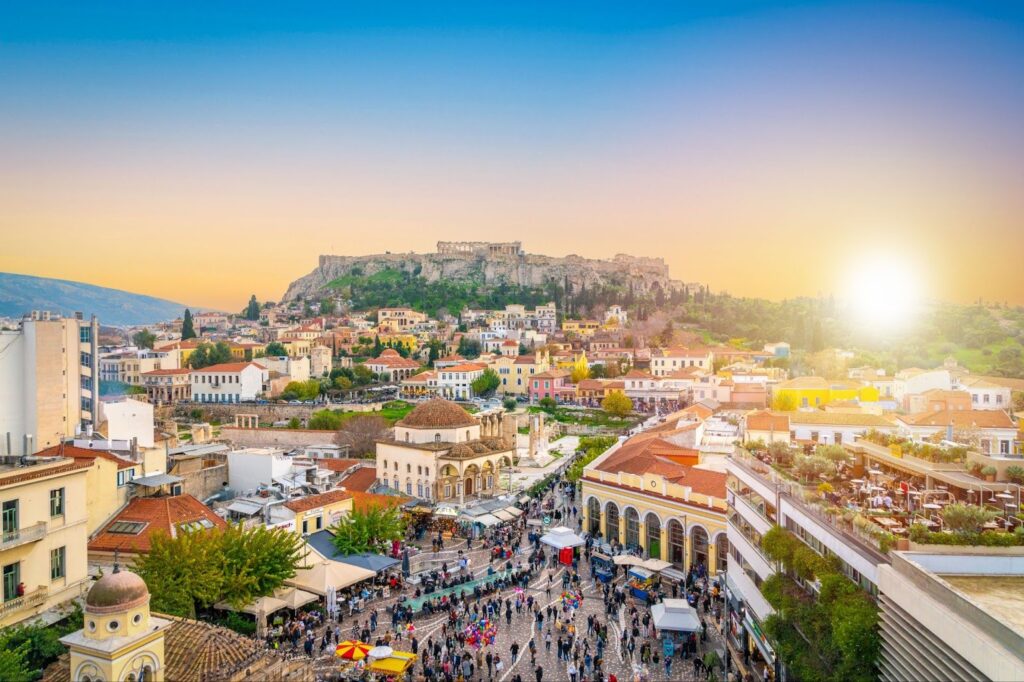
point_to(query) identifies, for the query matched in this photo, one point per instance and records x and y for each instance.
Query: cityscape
(512, 343)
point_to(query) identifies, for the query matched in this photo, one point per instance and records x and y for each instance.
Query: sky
(203, 152)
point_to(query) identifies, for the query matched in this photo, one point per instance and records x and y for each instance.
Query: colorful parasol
(572, 599)
(353, 651)
(481, 633)
(410, 628)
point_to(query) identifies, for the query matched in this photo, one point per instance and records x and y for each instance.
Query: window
(408, 487)
(57, 502)
(85, 359)
(57, 557)
(85, 334)
(408, 468)
(125, 475)
(126, 527)
(986, 400)
(1004, 447)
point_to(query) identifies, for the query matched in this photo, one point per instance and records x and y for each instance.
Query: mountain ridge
(20, 294)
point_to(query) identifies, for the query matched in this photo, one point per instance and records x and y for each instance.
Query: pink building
(553, 383)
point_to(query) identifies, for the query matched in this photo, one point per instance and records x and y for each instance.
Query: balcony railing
(26, 601)
(14, 538)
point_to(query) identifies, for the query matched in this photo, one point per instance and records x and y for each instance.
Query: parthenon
(480, 248)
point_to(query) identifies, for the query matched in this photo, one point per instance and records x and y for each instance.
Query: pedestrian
(539, 673)
(490, 665)
(572, 671)
(515, 651)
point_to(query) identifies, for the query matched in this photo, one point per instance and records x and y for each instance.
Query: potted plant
(1015, 474)
(989, 472)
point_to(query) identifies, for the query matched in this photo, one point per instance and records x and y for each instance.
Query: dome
(120, 590)
(437, 414)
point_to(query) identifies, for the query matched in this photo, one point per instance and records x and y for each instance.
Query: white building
(232, 382)
(916, 380)
(457, 382)
(127, 419)
(617, 313)
(666, 361)
(985, 395)
(296, 369)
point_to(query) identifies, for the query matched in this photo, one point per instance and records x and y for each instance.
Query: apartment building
(43, 546)
(668, 360)
(167, 386)
(49, 384)
(128, 367)
(759, 498)
(399, 319)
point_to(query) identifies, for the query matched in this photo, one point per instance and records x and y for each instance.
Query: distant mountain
(22, 293)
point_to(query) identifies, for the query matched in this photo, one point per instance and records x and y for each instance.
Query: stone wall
(267, 414)
(276, 438)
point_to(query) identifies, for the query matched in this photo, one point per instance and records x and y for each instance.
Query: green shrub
(1015, 474)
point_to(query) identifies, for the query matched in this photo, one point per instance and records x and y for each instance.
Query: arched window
(467, 434)
(437, 437)
(408, 486)
(632, 528)
(594, 516)
(419, 488)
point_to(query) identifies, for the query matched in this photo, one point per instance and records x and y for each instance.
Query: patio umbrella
(380, 652)
(627, 560)
(294, 597)
(353, 651)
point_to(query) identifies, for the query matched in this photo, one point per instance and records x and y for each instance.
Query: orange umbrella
(353, 651)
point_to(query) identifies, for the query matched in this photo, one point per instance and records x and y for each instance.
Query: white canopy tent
(627, 560)
(323, 575)
(562, 537)
(294, 597)
(656, 564)
(675, 615)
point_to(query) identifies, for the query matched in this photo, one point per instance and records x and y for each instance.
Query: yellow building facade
(121, 641)
(43, 551)
(817, 391)
(664, 520)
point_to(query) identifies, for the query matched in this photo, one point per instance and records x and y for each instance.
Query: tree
(363, 375)
(813, 467)
(234, 564)
(486, 383)
(509, 404)
(784, 402)
(369, 530)
(598, 371)
(182, 572)
(365, 430)
(252, 311)
(144, 339)
(667, 334)
(836, 454)
(965, 518)
(275, 349)
(294, 423)
(1018, 401)
(207, 354)
(325, 420)
(434, 351)
(187, 330)
(301, 390)
(580, 373)
(13, 664)
(548, 404)
(617, 404)
(257, 561)
(468, 348)
(342, 383)
(326, 306)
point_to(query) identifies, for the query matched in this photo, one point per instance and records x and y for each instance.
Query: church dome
(437, 414)
(120, 590)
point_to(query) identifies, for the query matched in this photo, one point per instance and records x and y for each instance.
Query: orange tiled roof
(316, 501)
(361, 501)
(85, 453)
(360, 480)
(466, 367)
(981, 419)
(764, 420)
(337, 465)
(160, 514)
(166, 372)
(652, 456)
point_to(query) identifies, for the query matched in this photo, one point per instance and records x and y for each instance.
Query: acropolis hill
(494, 263)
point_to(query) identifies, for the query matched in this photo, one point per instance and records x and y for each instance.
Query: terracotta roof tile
(160, 514)
(229, 367)
(360, 480)
(316, 501)
(85, 453)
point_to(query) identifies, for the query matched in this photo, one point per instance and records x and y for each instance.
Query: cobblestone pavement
(522, 630)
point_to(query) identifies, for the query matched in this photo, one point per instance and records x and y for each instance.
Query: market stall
(641, 582)
(398, 664)
(675, 615)
(565, 541)
(604, 567)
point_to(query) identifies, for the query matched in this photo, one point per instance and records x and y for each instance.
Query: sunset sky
(201, 154)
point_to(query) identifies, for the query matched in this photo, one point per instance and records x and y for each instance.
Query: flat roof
(1000, 595)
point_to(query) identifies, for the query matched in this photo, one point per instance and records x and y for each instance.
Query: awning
(675, 615)
(503, 514)
(627, 560)
(295, 598)
(369, 562)
(674, 574)
(525, 499)
(514, 511)
(486, 520)
(446, 511)
(156, 480)
(656, 565)
(562, 537)
(261, 607)
(759, 639)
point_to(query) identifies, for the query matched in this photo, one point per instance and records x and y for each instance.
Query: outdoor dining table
(885, 521)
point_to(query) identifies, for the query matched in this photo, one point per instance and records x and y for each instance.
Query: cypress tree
(187, 330)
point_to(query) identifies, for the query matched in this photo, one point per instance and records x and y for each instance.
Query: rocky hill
(480, 269)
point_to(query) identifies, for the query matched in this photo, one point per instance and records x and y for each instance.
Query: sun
(883, 292)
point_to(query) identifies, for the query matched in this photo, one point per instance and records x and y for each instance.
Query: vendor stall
(399, 664)
(564, 540)
(604, 567)
(675, 615)
(641, 582)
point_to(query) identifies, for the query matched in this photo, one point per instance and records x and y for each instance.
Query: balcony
(750, 550)
(22, 536)
(28, 600)
(753, 514)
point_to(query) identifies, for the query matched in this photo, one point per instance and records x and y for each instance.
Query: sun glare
(883, 293)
